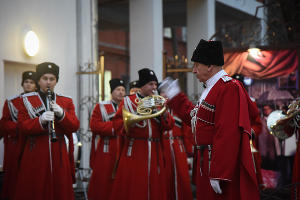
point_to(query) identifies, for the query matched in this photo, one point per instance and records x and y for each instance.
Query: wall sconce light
(254, 52)
(31, 43)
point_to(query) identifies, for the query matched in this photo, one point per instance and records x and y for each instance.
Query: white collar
(212, 80)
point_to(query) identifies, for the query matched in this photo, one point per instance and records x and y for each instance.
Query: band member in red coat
(177, 169)
(140, 173)
(47, 168)
(223, 164)
(296, 171)
(8, 126)
(256, 128)
(291, 126)
(103, 158)
(134, 87)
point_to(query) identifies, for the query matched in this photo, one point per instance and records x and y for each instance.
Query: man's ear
(209, 68)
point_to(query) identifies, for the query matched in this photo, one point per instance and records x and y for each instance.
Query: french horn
(148, 107)
(277, 121)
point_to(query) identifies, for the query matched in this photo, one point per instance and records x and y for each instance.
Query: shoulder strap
(226, 78)
(30, 94)
(13, 97)
(103, 112)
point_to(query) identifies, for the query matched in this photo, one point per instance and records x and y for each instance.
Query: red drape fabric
(263, 65)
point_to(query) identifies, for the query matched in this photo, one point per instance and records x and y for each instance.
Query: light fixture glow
(248, 81)
(31, 43)
(255, 52)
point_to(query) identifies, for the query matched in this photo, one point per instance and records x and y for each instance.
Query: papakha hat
(47, 68)
(145, 76)
(209, 53)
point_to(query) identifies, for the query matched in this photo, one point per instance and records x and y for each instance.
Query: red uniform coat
(256, 126)
(177, 170)
(296, 171)
(188, 140)
(140, 174)
(290, 130)
(45, 173)
(8, 126)
(222, 121)
(104, 157)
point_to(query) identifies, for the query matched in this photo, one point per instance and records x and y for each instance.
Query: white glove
(47, 117)
(170, 87)
(215, 184)
(57, 109)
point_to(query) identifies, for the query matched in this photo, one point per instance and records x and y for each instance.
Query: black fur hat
(133, 84)
(28, 75)
(47, 68)
(145, 76)
(115, 82)
(209, 53)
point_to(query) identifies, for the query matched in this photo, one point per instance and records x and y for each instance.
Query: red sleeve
(256, 125)
(182, 107)
(7, 126)
(98, 126)
(226, 141)
(70, 122)
(28, 126)
(188, 139)
(167, 121)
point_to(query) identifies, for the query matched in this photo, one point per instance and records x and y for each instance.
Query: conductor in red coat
(8, 128)
(223, 164)
(46, 168)
(103, 158)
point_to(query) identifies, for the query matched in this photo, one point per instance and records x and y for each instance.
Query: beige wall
(54, 21)
(13, 73)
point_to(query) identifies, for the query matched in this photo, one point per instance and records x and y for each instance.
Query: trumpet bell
(128, 118)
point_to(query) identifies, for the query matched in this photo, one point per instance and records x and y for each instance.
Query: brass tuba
(277, 121)
(147, 108)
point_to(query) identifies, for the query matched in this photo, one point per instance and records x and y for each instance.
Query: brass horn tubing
(130, 118)
(147, 104)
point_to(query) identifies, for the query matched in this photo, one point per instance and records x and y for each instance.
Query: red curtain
(263, 65)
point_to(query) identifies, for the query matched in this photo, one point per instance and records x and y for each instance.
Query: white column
(200, 25)
(87, 54)
(146, 36)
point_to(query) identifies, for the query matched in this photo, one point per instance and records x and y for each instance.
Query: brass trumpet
(147, 109)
